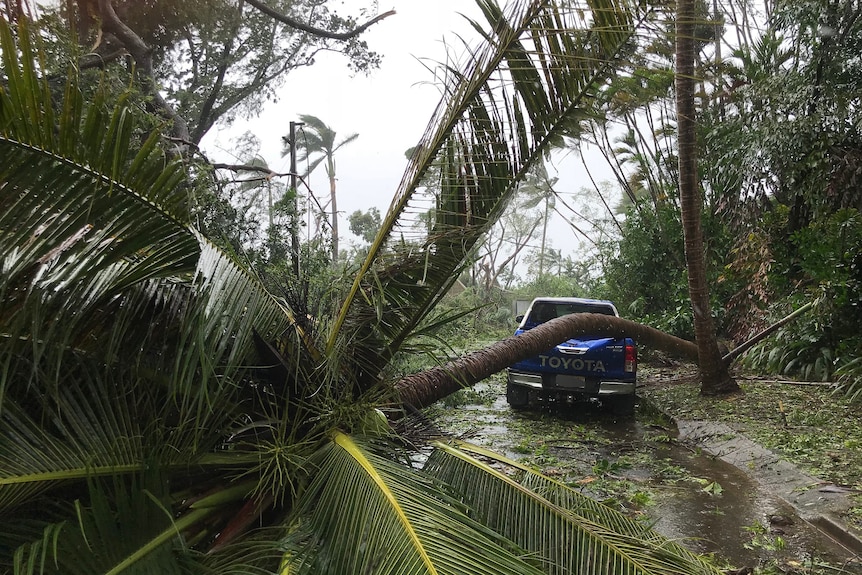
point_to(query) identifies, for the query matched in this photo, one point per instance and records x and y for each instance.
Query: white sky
(389, 109)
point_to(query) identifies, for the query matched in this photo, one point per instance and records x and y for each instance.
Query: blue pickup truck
(585, 369)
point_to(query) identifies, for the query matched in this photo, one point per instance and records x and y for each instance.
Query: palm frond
(526, 88)
(570, 532)
(126, 338)
(71, 260)
(373, 514)
(97, 132)
(92, 226)
(124, 527)
(77, 444)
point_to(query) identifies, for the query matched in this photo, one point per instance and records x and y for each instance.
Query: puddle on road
(637, 465)
(742, 523)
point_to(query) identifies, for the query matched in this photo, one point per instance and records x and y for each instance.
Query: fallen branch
(788, 381)
(762, 335)
(266, 171)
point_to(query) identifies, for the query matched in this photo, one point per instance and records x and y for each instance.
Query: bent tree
(424, 388)
(162, 412)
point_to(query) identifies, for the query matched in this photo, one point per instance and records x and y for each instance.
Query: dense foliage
(163, 411)
(780, 151)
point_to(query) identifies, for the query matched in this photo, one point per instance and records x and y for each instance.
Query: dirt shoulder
(803, 424)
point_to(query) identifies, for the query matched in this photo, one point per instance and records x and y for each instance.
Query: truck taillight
(631, 358)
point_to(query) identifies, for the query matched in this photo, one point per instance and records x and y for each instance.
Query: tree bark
(143, 57)
(424, 388)
(714, 375)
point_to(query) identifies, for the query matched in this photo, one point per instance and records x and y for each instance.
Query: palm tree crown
(316, 144)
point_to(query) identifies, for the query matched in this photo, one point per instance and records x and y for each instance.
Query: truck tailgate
(602, 358)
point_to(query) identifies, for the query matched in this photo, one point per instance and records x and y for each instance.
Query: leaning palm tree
(162, 412)
(317, 145)
(714, 372)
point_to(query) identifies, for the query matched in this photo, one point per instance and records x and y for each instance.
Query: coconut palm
(715, 376)
(162, 412)
(316, 145)
(538, 188)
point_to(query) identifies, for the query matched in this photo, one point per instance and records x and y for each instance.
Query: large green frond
(80, 434)
(102, 134)
(92, 228)
(570, 532)
(126, 338)
(526, 88)
(123, 527)
(83, 257)
(369, 513)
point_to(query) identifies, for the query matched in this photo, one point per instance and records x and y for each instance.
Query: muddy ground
(639, 465)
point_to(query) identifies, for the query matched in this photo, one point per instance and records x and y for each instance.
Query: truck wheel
(623, 404)
(517, 396)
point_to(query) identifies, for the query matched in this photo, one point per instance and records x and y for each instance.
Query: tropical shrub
(571, 281)
(826, 255)
(644, 272)
(649, 263)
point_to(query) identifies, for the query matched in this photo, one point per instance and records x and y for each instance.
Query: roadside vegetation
(188, 384)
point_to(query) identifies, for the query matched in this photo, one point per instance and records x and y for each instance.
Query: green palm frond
(124, 527)
(569, 531)
(92, 225)
(102, 134)
(78, 444)
(126, 338)
(526, 88)
(374, 514)
(77, 249)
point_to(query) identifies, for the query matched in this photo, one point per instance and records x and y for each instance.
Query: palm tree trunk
(334, 215)
(424, 388)
(715, 377)
(544, 239)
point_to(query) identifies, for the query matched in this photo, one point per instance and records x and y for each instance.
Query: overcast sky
(389, 109)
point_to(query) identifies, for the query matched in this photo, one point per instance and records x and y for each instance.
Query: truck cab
(581, 369)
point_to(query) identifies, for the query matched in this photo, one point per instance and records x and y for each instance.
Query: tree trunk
(424, 388)
(332, 198)
(714, 374)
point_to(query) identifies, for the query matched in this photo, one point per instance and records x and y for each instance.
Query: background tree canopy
(199, 63)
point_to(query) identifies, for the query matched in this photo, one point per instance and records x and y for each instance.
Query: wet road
(638, 466)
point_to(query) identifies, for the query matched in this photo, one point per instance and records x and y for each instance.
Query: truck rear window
(546, 311)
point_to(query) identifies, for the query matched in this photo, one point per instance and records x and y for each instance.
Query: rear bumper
(616, 387)
(534, 381)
